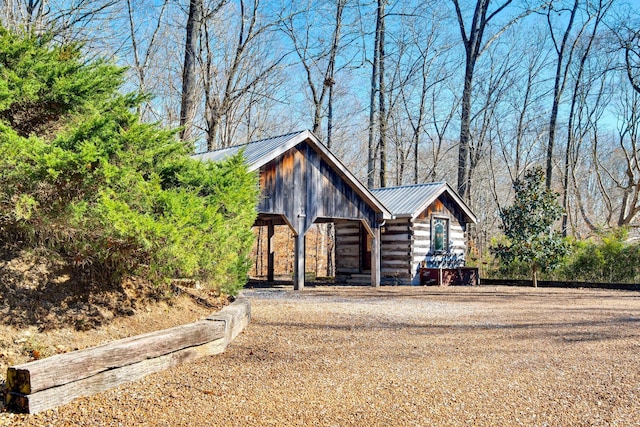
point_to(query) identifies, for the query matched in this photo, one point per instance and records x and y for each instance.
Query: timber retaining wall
(44, 384)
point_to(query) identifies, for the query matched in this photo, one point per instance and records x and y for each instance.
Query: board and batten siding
(302, 186)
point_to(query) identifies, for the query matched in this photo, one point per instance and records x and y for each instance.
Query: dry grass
(399, 356)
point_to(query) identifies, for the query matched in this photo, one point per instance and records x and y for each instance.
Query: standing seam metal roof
(406, 200)
(254, 151)
(410, 200)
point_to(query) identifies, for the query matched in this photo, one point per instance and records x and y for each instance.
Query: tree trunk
(629, 55)
(472, 42)
(558, 88)
(382, 110)
(465, 131)
(372, 102)
(213, 126)
(331, 68)
(330, 115)
(568, 161)
(188, 104)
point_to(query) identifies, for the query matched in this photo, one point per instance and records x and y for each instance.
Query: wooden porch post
(375, 257)
(270, 252)
(299, 265)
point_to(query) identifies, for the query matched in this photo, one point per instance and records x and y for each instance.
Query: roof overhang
(287, 142)
(446, 188)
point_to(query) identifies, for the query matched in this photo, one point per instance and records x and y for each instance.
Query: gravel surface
(402, 356)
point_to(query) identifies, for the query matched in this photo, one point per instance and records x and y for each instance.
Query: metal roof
(259, 153)
(255, 152)
(411, 200)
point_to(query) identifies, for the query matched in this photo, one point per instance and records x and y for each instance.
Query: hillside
(43, 311)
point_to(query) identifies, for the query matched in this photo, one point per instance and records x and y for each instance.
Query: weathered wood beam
(43, 384)
(299, 263)
(375, 258)
(64, 368)
(270, 251)
(236, 317)
(65, 393)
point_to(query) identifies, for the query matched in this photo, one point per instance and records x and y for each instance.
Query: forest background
(472, 92)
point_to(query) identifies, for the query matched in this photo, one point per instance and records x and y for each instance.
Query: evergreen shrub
(83, 178)
(610, 259)
(529, 238)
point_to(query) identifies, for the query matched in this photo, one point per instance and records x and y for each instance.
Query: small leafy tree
(527, 226)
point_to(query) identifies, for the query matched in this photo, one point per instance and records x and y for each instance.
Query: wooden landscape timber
(44, 384)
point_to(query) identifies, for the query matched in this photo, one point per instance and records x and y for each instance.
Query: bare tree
(189, 72)
(378, 51)
(595, 14)
(426, 85)
(474, 46)
(495, 82)
(33, 15)
(318, 59)
(144, 46)
(437, 130)
(525, 99)
(620, 186)
(564, 52)
(382, 104)
(331, 69)
(235, 58)
(590, 110)
(417, 65)
(631, 45)
(73, 20)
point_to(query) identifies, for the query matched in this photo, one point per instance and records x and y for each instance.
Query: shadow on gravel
(562, 331)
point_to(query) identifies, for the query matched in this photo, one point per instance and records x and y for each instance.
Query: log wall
(347, 248)
(405, 243)
(396, 252)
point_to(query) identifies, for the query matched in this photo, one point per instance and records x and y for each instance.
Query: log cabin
(302, 183)
(428, 229)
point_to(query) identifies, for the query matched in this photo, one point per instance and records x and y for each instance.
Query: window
(440, 239)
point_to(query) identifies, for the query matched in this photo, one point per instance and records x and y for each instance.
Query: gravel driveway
(399, 356)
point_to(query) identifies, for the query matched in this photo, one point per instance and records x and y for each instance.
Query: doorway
(365, 249)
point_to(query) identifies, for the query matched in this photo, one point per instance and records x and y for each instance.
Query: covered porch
(301, 184)
(278, 250)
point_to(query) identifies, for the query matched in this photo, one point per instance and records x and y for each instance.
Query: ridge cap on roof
(253, 142)
(424, 184)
